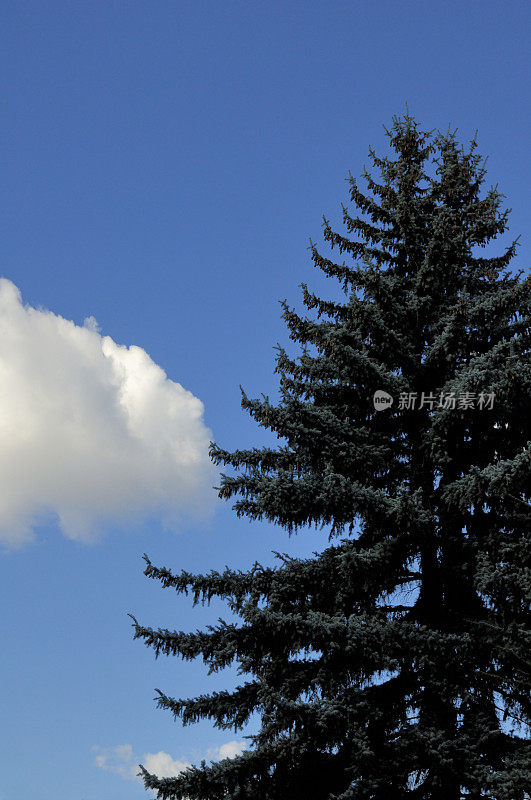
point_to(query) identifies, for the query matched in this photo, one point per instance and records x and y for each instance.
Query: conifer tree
(395, 663)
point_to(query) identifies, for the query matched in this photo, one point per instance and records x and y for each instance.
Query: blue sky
(163, 167)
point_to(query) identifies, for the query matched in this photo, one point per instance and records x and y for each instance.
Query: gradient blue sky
(163, 167)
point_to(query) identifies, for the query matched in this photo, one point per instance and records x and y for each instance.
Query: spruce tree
(394, 663)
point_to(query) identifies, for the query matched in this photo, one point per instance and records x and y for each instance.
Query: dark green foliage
(381, 667)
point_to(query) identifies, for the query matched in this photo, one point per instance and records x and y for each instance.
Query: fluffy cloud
(122, 761)
(92, 431)
(228, 750)
(163, 765)
(117, 759)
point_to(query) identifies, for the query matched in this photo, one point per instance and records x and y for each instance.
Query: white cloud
(91, 323)
(163, 765)
(117, 759)
(91, 431)
(122, 761)
(228, 750)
